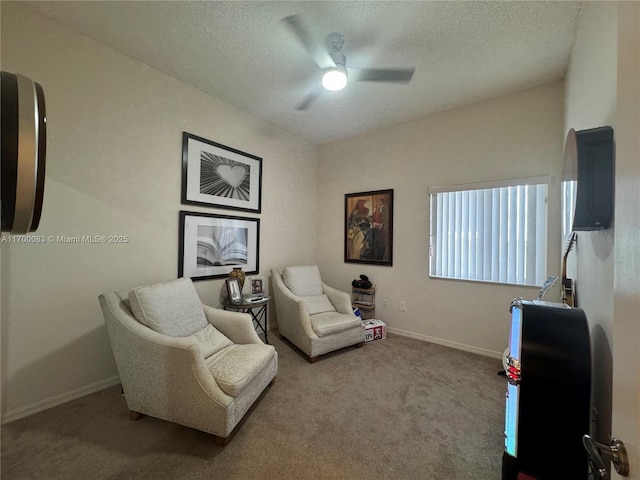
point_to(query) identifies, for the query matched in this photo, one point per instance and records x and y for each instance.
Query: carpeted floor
(397, 408)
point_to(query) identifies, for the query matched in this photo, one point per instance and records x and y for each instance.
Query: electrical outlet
(385, 303)
(403, 307)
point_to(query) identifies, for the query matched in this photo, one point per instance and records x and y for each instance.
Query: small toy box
(374, 330)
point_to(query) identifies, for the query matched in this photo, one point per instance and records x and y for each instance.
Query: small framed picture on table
(233, 288)
(257, 287)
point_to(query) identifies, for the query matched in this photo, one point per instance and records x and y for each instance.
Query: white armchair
(185, 362)
(313, 316)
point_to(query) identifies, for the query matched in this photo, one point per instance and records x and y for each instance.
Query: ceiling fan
(332, 61)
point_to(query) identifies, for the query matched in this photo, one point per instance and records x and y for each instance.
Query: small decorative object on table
(363, 283)
(257, 287)
(239, 274)
(234, 290)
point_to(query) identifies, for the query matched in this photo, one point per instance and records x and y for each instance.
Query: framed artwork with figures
(215, 175)
(368, 227)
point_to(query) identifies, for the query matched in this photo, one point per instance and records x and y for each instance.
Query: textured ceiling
(240, 53)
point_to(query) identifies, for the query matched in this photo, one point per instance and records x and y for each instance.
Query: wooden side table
(257, 309)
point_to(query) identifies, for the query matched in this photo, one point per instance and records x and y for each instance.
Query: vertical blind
(493, 234)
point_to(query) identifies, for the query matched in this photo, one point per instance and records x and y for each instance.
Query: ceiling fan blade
(317, 50)
(309, 99)
(392, 75)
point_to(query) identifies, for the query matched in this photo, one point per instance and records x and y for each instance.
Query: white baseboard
(447, 343)
(47, 403)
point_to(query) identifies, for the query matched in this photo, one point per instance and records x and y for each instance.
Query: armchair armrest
(237, 326)
(156, 366)
(341, 300)
(291, 308)
(296, 310)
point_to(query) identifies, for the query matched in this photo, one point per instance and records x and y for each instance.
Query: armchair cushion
(303, 281)
(210, 340)
(333, 322)
(172, 308)
(318, 304)
(235, 366)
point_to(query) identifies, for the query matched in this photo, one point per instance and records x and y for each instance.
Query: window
(494, 232)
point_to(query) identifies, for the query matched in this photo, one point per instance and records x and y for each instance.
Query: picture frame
(215, 175)
(210, 245)
(234, 291)
(257, 287)
(368, 227)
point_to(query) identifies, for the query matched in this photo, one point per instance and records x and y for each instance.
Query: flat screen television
(589, 160)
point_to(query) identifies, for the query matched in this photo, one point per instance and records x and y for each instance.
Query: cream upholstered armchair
(186, 362)
(313, 316)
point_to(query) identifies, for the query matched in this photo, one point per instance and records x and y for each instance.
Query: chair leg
(222, 441)
(134, 416)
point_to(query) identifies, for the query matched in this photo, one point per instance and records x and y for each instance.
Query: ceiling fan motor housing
(334, 42)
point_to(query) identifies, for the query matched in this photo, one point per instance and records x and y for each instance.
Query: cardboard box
(374, 330)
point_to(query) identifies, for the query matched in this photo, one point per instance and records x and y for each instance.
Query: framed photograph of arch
(214, 175)
(368, 228)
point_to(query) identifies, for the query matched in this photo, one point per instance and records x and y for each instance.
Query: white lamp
(334, 78)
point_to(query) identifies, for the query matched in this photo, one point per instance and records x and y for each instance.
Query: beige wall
(626, 301)
(518, 135)
(602, 88)
(114, 167)
(591, 102)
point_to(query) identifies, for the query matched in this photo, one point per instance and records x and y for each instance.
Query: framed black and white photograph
(215, 175)
(233, 289)
(211, 245)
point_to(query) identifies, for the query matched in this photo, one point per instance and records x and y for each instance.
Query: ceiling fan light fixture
(334, 78)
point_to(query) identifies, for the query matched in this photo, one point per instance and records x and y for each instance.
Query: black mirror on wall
(24, 140)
